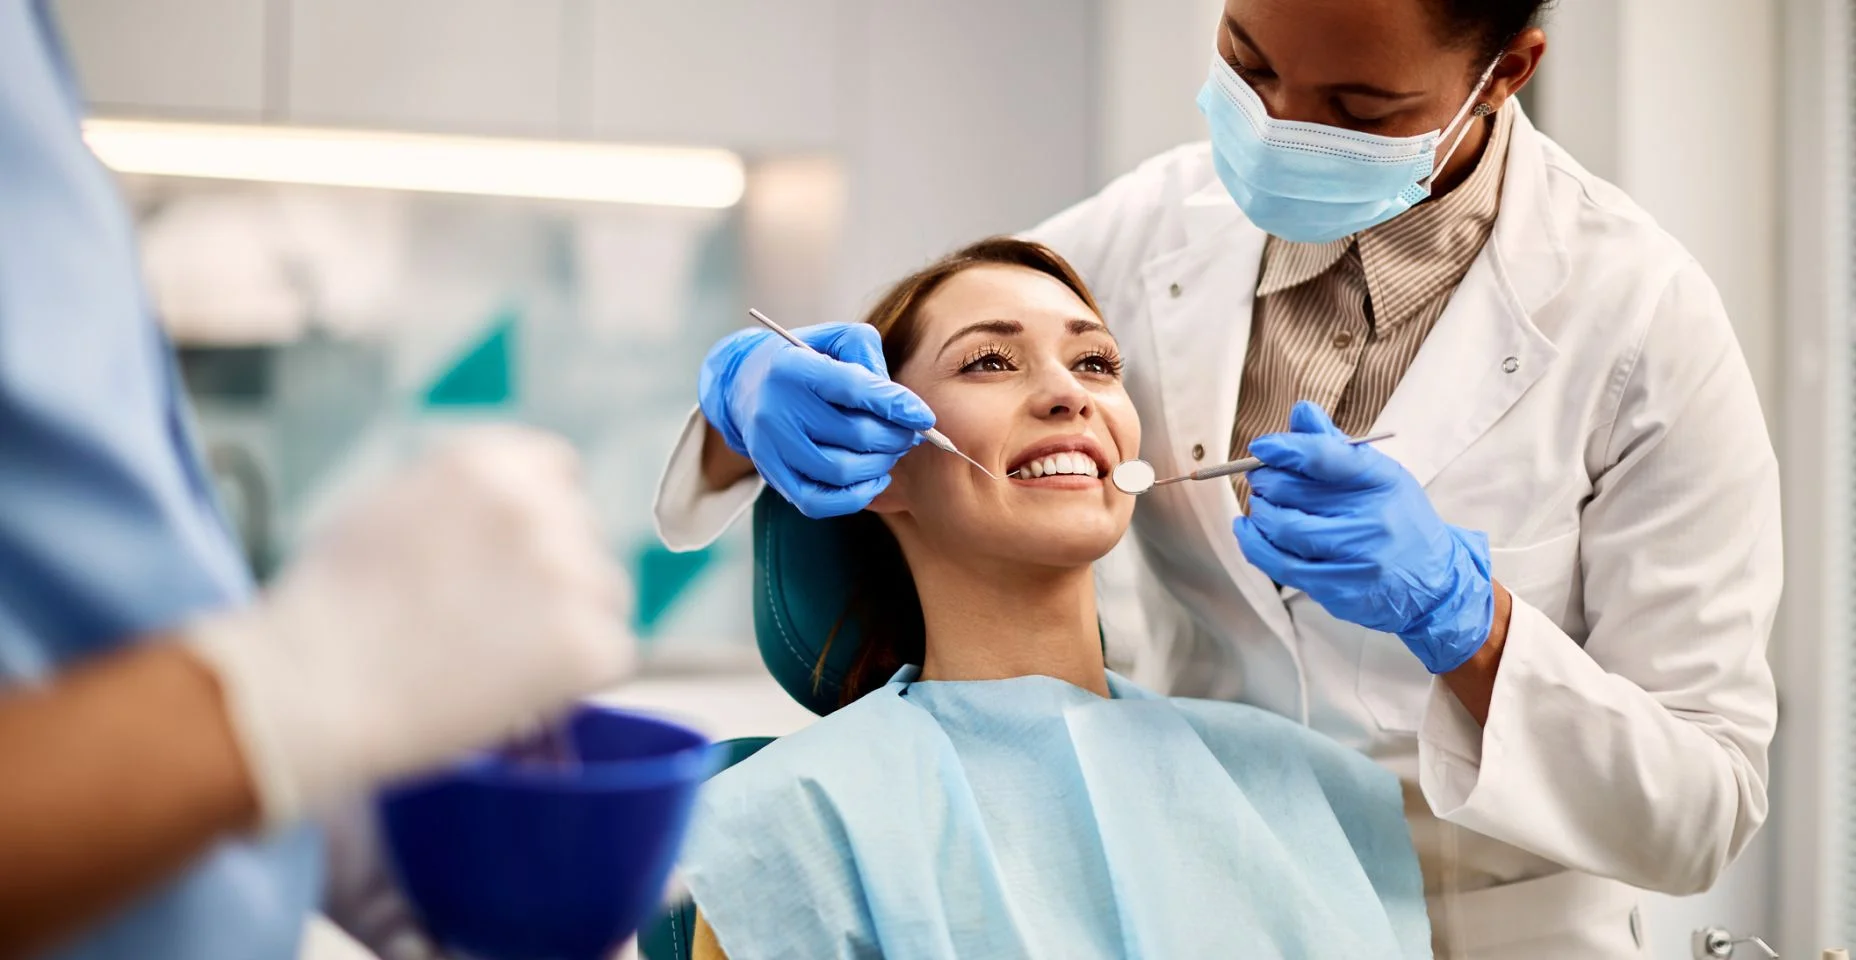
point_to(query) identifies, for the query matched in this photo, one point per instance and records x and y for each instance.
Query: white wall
(1155, 54)
(968, 117)
(1811, 649)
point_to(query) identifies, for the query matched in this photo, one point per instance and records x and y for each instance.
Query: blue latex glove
(823, 430)
(1351, 528)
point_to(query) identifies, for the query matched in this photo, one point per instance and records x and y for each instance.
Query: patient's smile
(1064, 463)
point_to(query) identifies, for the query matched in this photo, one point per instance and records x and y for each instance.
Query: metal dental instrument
(931, 435)
(1137, 476)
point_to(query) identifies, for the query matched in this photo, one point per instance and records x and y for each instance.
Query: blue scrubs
(108, 528)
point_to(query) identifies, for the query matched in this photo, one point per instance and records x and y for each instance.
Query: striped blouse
(1339, 323)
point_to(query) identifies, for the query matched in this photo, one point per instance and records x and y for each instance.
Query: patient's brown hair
(883, 603)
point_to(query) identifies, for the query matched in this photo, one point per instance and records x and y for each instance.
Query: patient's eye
(992, 358)
(1099, 362)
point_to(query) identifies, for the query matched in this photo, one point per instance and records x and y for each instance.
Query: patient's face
(1024, 377)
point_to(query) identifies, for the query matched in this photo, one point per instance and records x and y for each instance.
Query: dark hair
(1487, 25)
(884, 604)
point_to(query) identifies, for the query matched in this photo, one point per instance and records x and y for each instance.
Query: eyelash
(1249, 74)
(1363, 123)
(1110, 361)
(991, 351)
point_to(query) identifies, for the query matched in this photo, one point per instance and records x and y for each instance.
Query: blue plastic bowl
(512, 860)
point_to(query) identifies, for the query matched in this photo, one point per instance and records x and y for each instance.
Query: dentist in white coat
(1545, 604)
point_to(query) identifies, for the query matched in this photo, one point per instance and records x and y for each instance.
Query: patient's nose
(1060, 396)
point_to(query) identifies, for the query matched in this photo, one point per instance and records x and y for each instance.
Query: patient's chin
(1070, 542)
(1070, 532)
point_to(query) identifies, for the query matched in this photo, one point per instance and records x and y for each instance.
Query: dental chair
(803, 569)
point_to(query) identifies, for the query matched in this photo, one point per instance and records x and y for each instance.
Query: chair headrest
(802, 586)
(803, 578)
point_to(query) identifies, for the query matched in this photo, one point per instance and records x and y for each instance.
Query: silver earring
(1484, 109)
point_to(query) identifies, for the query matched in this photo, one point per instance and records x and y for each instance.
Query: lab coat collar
(1485, 351)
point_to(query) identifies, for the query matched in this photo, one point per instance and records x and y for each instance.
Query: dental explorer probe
(931, 435)
(1137, 476)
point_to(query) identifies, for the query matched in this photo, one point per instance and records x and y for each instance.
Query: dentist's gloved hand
(1351, 528)
(467, 598)
(823, 430)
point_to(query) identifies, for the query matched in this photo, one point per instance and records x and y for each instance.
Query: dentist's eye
(1357, 121)
(1101, 363)
(1251, 75)
(993, 358)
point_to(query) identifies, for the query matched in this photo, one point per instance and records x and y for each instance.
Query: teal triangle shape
(663, 578)
(482, 376)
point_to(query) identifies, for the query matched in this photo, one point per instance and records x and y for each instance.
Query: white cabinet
(750, 74)
(762, 77)
(188, 58)
(473, 66)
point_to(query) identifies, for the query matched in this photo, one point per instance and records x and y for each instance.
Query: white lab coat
(1583, 401)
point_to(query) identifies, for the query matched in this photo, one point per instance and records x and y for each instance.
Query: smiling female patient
(992, 790)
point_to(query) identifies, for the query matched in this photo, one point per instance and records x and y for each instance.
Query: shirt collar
(1287, 264)
(1411, 258)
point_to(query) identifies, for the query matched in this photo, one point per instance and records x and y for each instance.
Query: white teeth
(1073, 464)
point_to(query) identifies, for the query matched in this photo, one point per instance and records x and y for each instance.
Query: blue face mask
(1309, 182)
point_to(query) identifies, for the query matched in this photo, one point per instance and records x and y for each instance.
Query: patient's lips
(1071, 462)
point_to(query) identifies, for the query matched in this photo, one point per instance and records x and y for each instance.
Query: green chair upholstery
(672, 935)
(802, 585)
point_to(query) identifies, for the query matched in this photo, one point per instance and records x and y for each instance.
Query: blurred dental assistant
(164, 733)
(1545, 604)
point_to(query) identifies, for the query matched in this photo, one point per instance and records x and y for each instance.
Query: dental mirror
(1135, 477)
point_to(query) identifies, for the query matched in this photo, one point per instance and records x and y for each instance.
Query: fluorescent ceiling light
(554, 170)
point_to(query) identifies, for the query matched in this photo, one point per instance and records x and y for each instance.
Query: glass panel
(329, 335)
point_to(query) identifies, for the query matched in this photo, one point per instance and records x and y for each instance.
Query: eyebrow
(1012, 328)
(1364, 89)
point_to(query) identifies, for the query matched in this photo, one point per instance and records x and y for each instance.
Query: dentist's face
(1024, 377)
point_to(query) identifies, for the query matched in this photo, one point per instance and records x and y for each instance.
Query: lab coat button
(1511, 364)
(1198, 451)
(1175, 291)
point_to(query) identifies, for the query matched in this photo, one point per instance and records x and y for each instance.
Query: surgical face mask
(1310, 182)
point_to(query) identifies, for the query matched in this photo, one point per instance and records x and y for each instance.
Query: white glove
(464, 599)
